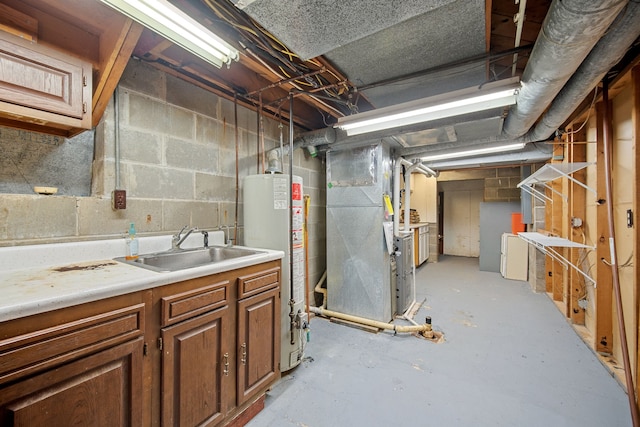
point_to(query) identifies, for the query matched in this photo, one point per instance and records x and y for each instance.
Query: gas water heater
(274, 219)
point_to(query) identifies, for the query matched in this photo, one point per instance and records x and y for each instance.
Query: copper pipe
(235, 120)
(290, 188)
(258, 115)
(306, 255)
(607, 134)
(261, 134)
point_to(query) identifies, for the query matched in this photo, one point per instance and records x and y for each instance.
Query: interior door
(462, 226)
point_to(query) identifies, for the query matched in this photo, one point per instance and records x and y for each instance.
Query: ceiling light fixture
(170, 22)
(470, 100)
(474, 152)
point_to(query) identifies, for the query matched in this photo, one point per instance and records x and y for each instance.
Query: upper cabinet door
(38, 84)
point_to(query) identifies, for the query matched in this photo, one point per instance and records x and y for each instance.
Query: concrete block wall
(22, 168)
(177, 166)
(537, 270)
(502, 186)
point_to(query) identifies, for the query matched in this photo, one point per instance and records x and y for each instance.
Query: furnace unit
(358, 259)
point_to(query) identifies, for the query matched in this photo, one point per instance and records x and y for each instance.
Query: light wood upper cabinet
(59, 76)
(42, 85)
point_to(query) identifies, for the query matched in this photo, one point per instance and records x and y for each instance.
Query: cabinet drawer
(253, 284)
(185, 305)
(32, 352)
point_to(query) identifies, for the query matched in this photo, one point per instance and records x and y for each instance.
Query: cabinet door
(416, 247)
(37, 81)
(104, 389)
(196, 366)
(424, 244)
(258, 343)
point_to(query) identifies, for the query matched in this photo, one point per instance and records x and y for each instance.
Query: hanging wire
(269, 48)
(593, 101)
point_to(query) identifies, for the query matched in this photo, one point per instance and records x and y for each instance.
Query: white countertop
(414, 225)
(39, 278)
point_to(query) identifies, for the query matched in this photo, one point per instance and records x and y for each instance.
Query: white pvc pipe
(406, 316)
(407, 198)
(319, 289)
(396, 193)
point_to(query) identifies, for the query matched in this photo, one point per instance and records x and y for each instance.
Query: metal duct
(607, 53)
(314, 138)
(569, 32)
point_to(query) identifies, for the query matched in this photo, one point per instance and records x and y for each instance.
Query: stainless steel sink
(179, 259)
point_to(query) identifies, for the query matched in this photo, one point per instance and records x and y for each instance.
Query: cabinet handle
(243, 359)
(225, 358)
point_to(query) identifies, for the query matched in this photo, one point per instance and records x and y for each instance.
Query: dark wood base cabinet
(196, 353)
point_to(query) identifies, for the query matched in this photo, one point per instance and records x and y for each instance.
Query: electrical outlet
(119, 199)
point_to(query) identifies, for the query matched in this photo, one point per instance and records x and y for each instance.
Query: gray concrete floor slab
(510, 359)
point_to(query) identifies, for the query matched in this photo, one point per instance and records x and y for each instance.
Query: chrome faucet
(178, 239)
(228, 240)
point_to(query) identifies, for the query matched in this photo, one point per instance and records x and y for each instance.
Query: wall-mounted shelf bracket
(548, 173)
(547, 245)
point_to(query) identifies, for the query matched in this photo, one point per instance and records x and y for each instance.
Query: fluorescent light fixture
(474, 152)
(170, 22)
(492, 95)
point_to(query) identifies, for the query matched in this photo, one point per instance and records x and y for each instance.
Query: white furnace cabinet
(514, 259)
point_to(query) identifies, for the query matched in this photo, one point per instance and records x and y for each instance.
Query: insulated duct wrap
(607, 53)
(569, 32)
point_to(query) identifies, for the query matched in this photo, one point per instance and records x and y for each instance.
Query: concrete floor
(510, 359)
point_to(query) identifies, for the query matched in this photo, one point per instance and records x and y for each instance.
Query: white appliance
(266, 200)
(514, 259)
